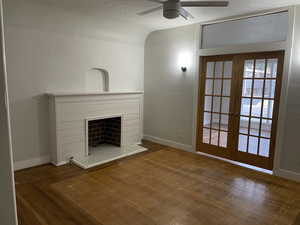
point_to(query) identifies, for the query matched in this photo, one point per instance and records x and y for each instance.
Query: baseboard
(287, 174)
(60, 163)
(20, 165)
(169, 143)
(237, 163)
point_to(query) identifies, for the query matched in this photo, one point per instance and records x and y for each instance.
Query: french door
(238, 106)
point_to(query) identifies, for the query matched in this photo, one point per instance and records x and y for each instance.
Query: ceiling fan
(174, 8)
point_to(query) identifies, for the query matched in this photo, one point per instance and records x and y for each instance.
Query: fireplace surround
(73, 115)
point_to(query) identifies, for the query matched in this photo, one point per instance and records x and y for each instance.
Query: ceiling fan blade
(157, 1)
(205, 4)
(185, 14)
(150, 11)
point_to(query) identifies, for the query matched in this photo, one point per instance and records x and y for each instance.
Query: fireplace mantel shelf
(84, 93)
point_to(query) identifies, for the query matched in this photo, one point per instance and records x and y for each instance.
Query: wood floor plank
(164, 186)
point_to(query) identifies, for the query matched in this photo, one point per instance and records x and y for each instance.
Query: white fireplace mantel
(69, 112)
(91, 93)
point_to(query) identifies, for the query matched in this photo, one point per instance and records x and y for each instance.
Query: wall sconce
(184, 61)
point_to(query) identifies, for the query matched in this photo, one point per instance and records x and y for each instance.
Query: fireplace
(94, 128)
(102, 132)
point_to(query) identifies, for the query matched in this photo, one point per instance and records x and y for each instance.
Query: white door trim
(9, 214)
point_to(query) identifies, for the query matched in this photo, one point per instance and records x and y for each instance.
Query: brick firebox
(104, 131)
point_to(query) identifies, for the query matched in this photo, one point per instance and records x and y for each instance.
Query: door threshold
(238, 163)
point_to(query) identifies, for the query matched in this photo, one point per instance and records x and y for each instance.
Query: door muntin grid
(218, 83)
(257, 106)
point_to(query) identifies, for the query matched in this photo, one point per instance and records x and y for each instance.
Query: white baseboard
(287, 174)
(237, 163)
(278, 172)
(173, 144)
(60, 163)
(19, 165)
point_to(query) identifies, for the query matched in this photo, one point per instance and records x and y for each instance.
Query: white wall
(290, 152)
(169, 92)
(7, 193)
(50, 49)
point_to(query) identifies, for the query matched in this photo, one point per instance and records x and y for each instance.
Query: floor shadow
(297, 221)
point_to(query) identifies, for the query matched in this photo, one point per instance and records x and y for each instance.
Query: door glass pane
(217, 87)
(214, 137)
(227, 69)
(256, 107)
(224, 122)
(206, 135)
(206, 119)
(247, 88)
(210, 69)
(253, 145)
(244, 124)
(243, 143)
(215, 121)
(207, 105)
(254, 126)
(216, 104)
(248, 68)
(225, 105)
(266, 126)
(223, 139)
(209, 87)
(258, 88)
(226, 87)
(260, 68)
(268, 108)
(245, 107)
(264, 147)
(270, 88)
(272, 68)
(219, 69)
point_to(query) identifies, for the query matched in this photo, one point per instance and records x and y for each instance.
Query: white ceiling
(117, 18)
(126, 11)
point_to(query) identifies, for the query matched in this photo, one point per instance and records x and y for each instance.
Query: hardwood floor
(162, 187)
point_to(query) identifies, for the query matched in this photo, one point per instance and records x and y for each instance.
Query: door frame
(234, 154)
(7, 181)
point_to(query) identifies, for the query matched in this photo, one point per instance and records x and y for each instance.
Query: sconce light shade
(184, 60)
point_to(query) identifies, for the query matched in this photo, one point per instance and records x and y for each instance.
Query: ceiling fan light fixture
(175, 8)
(171, 10)
(171, 14)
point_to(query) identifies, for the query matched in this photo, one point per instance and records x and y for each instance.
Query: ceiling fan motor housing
(172, 9)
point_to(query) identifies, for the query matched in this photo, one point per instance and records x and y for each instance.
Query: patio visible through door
(238, 106)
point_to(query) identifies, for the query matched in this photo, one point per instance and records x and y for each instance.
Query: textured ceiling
(118, 17)
(125, 10)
